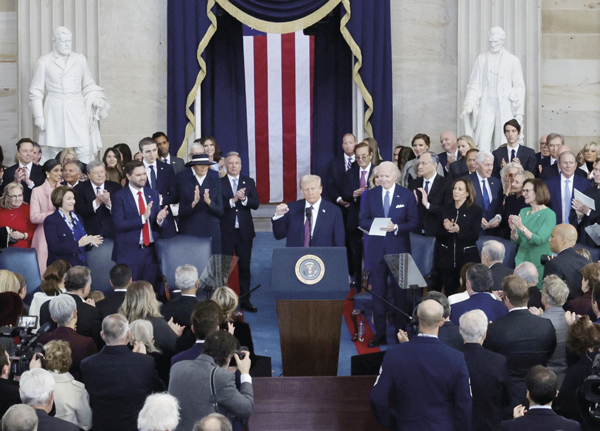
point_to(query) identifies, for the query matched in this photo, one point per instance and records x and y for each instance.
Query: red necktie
(146, 228)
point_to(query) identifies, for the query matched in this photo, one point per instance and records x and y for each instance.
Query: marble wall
(9, 104)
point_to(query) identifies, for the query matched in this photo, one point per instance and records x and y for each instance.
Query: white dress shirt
(487, 186)
(147, 166)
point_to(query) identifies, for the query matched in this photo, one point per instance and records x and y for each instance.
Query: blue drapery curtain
(223, 96)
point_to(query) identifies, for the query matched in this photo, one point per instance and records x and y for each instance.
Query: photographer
(9, 390)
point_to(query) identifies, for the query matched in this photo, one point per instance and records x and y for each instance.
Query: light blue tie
(386, 203)
(567, 202)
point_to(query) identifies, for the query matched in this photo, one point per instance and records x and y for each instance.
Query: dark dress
(512, 206)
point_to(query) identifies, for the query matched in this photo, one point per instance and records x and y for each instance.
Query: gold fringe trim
(278, 27)
(191, 98)
(355, 75)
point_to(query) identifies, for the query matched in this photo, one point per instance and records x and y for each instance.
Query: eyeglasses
(527, 190)
(363, 157)
(15, 196)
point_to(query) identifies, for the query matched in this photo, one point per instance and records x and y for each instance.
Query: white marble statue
(495, 94)
(74, 103)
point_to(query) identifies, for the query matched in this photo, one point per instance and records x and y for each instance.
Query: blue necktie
(427, 188)
(386, 203)
(567, 202)
(512, 155)
(486, 196)
(349, 163)
(152, 177)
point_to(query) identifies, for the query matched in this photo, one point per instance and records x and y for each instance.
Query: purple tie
(307, 230)
(363, 183)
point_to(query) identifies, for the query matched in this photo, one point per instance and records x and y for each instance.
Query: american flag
(279, 93)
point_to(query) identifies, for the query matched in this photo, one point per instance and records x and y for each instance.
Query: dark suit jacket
(551, 171)
(243, 212)
(456, 249)
(166, 186)
(439, 195)
(177, 164)
(540, 420)
(490, 386)
(110, 304)
(351, 183)
(37, 176)
(180, 310)
(567, 265)
(81, 347)
(499, 271)
(526, 340)
(483, 301)
(593, 218)
(458, 169)
(495, 206)
(9, 395)
(335, 181)
(118, 382)
(525, 155)
(328, 230)
(202, 220)
(61, 242)
(128, 222)
(555, 189)
(50, 423)
(403, 212)
(429, 383)
(88, 320)
(189, 354)
(97, 222)
(443, 156)
(449, 335)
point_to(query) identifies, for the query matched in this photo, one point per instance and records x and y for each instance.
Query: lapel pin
(323, 210)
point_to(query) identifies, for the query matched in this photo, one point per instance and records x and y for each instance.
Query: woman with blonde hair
(14, 214)
(140, 303)
(9, 281)
(590, 155)
(71, 400)
(459, 168)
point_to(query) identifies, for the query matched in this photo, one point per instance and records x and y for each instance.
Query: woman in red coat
(14, 214)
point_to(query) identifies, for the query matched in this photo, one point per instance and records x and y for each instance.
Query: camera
(589, 395)
(28, 345)
(545, 258)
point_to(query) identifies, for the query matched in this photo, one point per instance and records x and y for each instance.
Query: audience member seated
(513, 203)
(554, 295)
(448, 332)
(141, 332)
(37, 390)
(528, 272)
(96, 296)
(65, 234)
(525, 339)
(583, 339)
(180, 309)
(542, 389)
(568, 263)
(206, 318)
(20, 417)
(213, 422)
(78, 282)
(590, 278)
(488, 373)
(190, 382)
(71, 400)
(9, 389)
(479, 285)
(63, 310)
(492, 256)
(118, 379)
(462, 294)
(140, 303)
(532, 228)
(41, 207)
(160, 413)
(14, 214)
(113, 163)
(53, 284)
(120, 279)
(228, 300)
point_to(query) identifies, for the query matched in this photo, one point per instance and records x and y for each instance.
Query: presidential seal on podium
(310, 269)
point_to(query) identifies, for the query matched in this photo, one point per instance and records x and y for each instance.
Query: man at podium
(391, 201)
(309, 222)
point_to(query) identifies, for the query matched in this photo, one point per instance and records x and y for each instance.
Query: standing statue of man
(74, 103)
(495, 94)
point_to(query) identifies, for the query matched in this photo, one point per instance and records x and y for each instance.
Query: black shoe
(247, 306)
(376, 343)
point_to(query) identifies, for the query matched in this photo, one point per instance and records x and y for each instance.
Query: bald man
(450, 154)
(428, 380)
(553, 170)
(567, 265)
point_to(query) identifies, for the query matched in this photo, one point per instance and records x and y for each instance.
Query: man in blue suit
(488, 190)
(513, 152)
(161, 177)
(428, 381)
(237, 228)
(137, 220)
(479, 285)
(399, 205)
(309, 222)
(562, 189)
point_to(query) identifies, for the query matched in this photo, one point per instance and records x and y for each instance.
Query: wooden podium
(310, 333)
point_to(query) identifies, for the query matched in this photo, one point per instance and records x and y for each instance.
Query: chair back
(423, 252)
(181, 250)
(100, 263)
(23, 261)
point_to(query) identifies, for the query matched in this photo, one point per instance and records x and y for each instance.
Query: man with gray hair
(160, 413)
(556, 146)
(479, 286)
(488, 190)
(20, 417)
(63, 310)
(180, 309)
(37, 390)
(492, 256)
(488, 373)
(562, 188)
(118, 379)
(528, 272)
(554, 295)
(424, 396)
(72, 171)
(78, 283)
(213, 422)
(93, 201)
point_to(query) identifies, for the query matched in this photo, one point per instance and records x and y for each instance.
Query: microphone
(309, 218)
